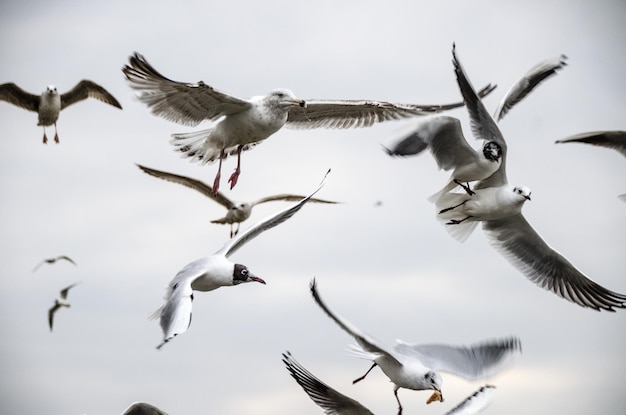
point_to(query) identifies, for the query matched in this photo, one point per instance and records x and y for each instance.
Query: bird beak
(527, 197)
(256, 279)
(300, 103)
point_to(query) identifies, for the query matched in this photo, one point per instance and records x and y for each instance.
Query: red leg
(56, 135)
(45, 138)
(235, 175)
(216, 182)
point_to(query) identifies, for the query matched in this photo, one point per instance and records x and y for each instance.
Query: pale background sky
(391, 270)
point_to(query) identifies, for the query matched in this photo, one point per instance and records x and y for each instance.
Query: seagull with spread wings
(50, 103)
(498, 206)
(61, 301)
(237, 212)
(53, 260)
(242, 123)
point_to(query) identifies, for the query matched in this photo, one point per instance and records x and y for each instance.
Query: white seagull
(417, 367)
(246, 122)
(335, 403)
(443, 136)
(497, 205)
(142, 408)
(237, 212)
(212, 272)
(53, 260)
(49, 104)
(61, 301)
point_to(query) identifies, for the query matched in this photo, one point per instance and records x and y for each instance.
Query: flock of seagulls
(477, 191)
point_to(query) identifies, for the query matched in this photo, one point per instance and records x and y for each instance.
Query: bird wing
(65, 257)
(194, 184)
(289, 198)
(531, 79)
(327, 398)
(518, 242)
(367, 343)
(175, 315)
(88, 89)
(65, 290)
(360, 113)
(483, 125)
(181, 102)
(15, 95)
(471, 362)
(242, 238)
(474, 403)
(615, 140)
(38, 265)
(51, 312)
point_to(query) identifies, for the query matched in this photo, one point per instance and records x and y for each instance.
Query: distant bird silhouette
(237, 212)
(142, 408)
(49, 104)
(53, 260)
(58, 303)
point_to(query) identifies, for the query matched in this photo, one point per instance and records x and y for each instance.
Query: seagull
(531, 79)
(142, 408)
(212, 272)
(59, 302)
(49, 104)
(417, 367)
(242, 123)
(497, 205)
(335, 403)
(53, 260)
(237, 211)
(444, 137)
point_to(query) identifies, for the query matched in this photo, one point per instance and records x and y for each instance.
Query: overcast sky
(392, 269)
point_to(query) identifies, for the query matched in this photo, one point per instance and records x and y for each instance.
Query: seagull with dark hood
(212, 272)
(498, 206)
(50, 103)
(244, 123)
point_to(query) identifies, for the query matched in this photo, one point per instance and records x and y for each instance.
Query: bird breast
(49, 109)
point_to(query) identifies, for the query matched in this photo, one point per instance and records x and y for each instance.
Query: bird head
(522, 191)
(285, 99)
(241, 274)
(51, 89)
(433, 380)
(492, 151)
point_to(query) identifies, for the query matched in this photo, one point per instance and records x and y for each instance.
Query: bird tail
(156, 313)
(357, 351)
(196, 146)
(435, 197)
(460, 231)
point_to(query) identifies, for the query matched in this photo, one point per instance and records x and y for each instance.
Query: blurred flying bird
(237, 212)
(49, 104)
(53, 260)
(61, 301)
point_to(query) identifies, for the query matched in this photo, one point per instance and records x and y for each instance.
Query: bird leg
(216, 182)
(366, 373)
(465, 187)
(56, 135)
(233, 177)
(457, 221)
(395, 393)
(452, 207)
(45, 138)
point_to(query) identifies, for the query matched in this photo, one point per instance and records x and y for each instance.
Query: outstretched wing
(483, 125)
(615, 140)
(15, 95)
(268, 223)
(525, 85)
(360, 113)
(520, 244)
(88, 89)
(471, 362)
(474, 403)
(327, 398)
(284, 197)
(181, 102)
(194, 184)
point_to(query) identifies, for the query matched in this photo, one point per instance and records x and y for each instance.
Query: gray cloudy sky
(391, 270)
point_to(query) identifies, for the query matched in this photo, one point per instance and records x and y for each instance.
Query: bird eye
(244, 271)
